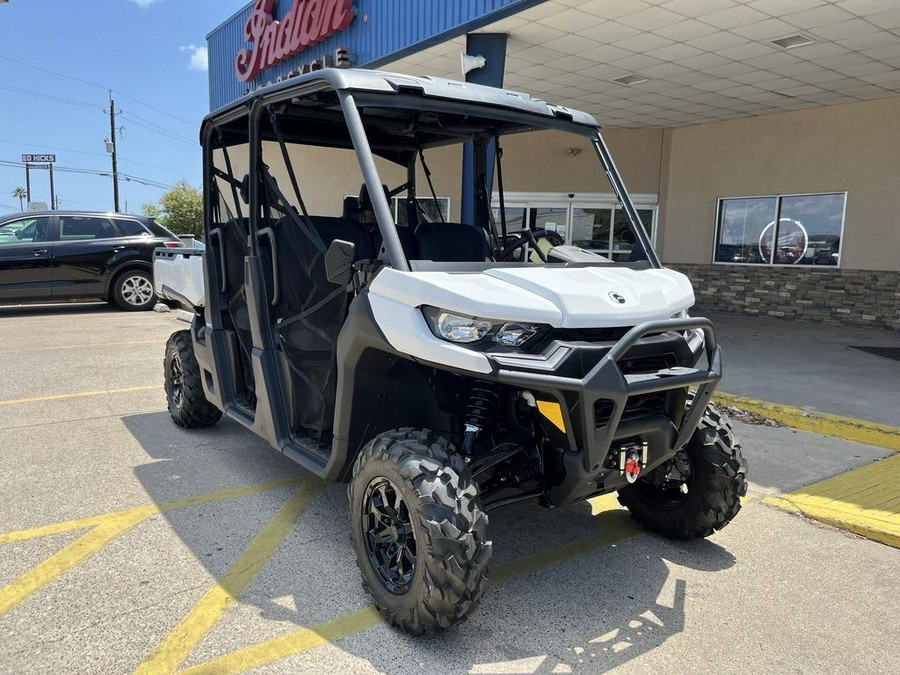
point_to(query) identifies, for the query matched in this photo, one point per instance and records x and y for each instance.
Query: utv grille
(635, 407)
(640, 365)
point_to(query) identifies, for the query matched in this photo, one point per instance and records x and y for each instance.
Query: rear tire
(132, 290)
(716, 481)
(418, 529)
(184, 391)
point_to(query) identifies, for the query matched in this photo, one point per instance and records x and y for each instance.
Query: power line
(76, 170)
(53, 72)
(99, 86)
(50, 147)
(161, 112)
(96, 154)
(167, 134)
(159, 168)
(52, 97)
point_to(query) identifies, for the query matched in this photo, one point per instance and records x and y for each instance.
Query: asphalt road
(130, 545)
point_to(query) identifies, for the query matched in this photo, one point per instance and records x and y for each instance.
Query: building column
(492, 46)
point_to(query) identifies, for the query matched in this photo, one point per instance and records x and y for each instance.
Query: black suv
(64, 255)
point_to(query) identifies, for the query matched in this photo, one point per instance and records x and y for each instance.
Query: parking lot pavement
(810, 366)
(130, 545)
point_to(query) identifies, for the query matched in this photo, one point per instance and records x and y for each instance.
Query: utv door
(223, 340)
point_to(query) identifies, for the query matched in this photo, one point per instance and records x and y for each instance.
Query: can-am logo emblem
(616, 297)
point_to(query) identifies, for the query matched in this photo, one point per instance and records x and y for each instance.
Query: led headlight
(515, 334)
(455, 327)
(468, 329)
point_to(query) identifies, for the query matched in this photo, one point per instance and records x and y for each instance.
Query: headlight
(468, 329)
(456, 328)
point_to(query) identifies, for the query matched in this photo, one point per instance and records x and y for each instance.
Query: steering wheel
(520, 239)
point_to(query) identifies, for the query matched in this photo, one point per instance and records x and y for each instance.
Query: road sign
(37, 206)
(38, 158)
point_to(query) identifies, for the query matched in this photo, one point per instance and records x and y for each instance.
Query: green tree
(180, 209)
(20, 194)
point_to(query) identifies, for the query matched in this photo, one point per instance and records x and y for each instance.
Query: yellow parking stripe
(847, 428)
(169, 654)
(298, 642)
(89, 345)
(79, 394)
(616, 527)
(865, 501)
(76, 552)
(80, 523)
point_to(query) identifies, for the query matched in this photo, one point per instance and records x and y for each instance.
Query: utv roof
(374, 81)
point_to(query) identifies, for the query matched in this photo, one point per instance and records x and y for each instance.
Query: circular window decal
(792, 242)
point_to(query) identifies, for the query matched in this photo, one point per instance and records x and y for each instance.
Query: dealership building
(760, 139)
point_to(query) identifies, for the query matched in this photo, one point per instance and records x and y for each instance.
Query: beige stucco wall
(541, 162)
(853, 148)
(534, 162)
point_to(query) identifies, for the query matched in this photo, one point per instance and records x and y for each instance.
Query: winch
(629, 459)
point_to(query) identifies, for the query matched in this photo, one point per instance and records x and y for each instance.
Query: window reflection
(786, 230)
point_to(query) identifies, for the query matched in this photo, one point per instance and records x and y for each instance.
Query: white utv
(443, 369)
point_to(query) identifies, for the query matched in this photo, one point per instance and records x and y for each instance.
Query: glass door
(596, 223)
(606, 230)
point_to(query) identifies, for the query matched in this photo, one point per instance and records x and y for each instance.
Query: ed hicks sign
(31, 159)
(308, 22)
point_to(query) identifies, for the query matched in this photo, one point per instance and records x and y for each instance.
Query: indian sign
(308, 22)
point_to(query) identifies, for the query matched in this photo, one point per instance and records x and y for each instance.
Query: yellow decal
(552, 412)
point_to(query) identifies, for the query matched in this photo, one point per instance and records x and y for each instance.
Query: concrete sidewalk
(807, 376)
(810, 366)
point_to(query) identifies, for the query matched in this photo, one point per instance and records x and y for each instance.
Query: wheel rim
(136, 290)
(388, 535)
(176, 381)
(668, 486)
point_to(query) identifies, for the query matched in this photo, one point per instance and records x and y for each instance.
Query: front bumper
(598, 417)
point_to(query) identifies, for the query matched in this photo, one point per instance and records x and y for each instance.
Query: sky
(58, 61)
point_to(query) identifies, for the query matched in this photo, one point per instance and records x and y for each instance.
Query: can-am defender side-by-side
(443, 369)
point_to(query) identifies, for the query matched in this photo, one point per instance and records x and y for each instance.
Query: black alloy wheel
(419, 532)
(184, 390)
(389, 535)
(176, 381)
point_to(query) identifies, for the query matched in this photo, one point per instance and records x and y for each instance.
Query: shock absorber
(483, 398)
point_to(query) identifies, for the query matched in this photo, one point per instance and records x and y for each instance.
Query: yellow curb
(865, 501)
(847, 428)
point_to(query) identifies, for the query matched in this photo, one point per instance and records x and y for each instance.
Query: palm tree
(21, 194)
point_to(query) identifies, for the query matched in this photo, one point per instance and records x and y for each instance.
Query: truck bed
(178, 276)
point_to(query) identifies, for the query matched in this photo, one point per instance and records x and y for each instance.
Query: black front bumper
(602, 410)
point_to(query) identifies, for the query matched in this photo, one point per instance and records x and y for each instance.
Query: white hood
(581, 297)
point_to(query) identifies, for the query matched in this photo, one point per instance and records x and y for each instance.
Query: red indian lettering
(306, 23)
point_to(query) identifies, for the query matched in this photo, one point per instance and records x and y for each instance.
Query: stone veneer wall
(827, 295)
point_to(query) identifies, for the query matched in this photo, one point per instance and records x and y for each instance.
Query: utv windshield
(443, 173)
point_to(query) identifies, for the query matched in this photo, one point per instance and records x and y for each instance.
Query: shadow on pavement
(59, 309)
(599, 609)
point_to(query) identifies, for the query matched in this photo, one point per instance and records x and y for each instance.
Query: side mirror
(339, 262)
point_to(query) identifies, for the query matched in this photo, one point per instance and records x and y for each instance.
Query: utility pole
(111, 148)
(27, 184)
(52, 193)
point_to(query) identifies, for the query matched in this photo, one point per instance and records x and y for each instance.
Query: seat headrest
(245, 189)
(365, 201)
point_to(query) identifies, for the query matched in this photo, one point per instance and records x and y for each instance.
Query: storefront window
(783, 230)
(607, 230)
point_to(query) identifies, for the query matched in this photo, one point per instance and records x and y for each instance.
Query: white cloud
(199, 56)
(145, 3)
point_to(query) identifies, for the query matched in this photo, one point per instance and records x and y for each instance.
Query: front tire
(698, 491)
(419, 531)
(132, 291)
(184, 391)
